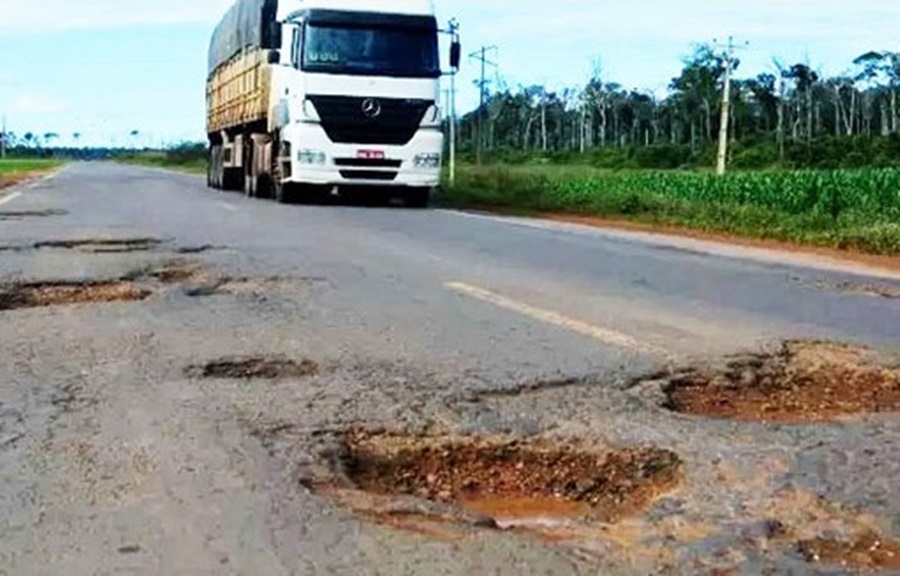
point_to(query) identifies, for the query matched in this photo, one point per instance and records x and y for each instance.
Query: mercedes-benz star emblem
(371, 108)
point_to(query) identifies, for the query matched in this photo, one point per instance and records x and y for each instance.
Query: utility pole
(3, 138)
(726, 109)
(481, 55)
(453, 31)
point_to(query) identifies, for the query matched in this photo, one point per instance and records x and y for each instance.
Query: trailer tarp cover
(247, 23)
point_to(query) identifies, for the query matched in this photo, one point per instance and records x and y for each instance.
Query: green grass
(845, 209)
(11, 166)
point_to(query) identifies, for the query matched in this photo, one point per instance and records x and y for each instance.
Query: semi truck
(311, 96)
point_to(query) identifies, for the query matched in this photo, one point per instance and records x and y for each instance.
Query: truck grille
(346, 121)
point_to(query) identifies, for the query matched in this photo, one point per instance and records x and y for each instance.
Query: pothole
(103, 245)
(257, 367)
(172, 272)
(175, 274)
(878, 290)
(241, 286)
(199, 249)
(21, 214)
(868, 551)
(47, 294)
(802, 382)
(515, 484)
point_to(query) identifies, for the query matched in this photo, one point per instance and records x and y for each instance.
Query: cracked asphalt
(116, 458)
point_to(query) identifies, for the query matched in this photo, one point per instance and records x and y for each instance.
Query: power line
(481, 55)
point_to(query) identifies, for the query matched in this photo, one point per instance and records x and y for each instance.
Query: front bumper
(328, 164)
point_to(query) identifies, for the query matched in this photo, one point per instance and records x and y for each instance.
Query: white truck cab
(351, 90)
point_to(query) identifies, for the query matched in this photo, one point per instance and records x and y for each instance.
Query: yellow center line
(605, 335)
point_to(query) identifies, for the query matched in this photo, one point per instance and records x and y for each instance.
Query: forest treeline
(794, 117)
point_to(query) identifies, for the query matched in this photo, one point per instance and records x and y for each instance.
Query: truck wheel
(418, 197)
(209, 167)
(250, 186)
(232, 179)
(214, 169)
(281, 191)
(250, 181)
(277, 186)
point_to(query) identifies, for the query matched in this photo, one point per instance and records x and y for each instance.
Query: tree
(804, 79)
(783, 106)
(698, 88)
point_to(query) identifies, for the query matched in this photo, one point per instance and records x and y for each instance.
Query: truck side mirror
(274, 57)
(455, 54)
(275, 34)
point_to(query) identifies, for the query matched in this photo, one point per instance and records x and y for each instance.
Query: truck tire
(280, 190)
(218, 168)
(250, 179)
(417, 198)
(214, 167)
(209, 167)
(232, 179)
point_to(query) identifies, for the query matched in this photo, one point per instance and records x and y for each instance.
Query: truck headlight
(427, 161)
(306, 156)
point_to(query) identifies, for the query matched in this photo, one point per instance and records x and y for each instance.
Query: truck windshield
(366, 50)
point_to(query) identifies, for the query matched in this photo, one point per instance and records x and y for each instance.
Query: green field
(19, 166)
(857, 210)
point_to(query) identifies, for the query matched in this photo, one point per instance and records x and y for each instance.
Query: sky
(104, 68)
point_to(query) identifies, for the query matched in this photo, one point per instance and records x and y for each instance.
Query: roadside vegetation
(846, 209)
(15, 170)
(188, 157)
(23, 166)
(812, 159)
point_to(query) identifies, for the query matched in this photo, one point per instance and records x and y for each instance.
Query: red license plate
(370, 154)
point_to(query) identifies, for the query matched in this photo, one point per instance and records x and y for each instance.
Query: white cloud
(30, 17)
(37, 104)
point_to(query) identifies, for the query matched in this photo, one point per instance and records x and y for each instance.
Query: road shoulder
(709, 243)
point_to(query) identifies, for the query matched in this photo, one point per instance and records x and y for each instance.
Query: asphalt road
(114, 461)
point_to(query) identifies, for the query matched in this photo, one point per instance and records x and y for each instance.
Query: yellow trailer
(237, 93)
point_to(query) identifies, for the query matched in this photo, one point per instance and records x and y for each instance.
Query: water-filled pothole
(103, 245)
(257, 367)
(801, 382)
(514, 483)
(46, 294)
